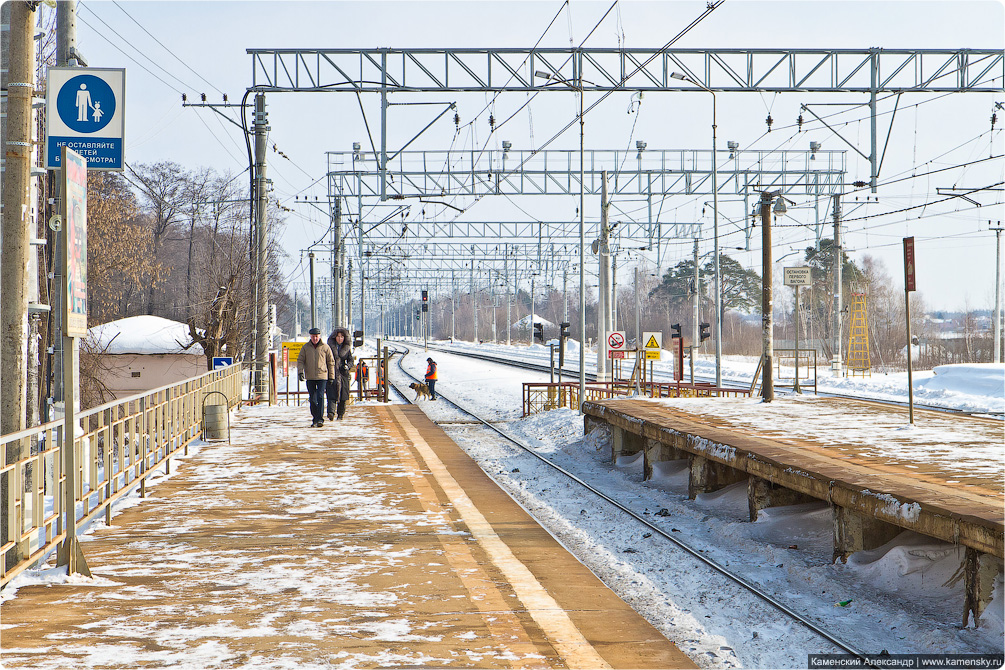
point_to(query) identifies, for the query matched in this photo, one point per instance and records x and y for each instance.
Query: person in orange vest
(363, 375)
(431, 377)
(380, 375)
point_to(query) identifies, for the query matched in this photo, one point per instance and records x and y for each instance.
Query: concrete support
(707, 476)
(658, 452)
(761, 494)
(625, 443)
(856, 532)
(979, 573)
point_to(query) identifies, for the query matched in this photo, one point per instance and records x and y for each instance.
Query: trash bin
(215, 419)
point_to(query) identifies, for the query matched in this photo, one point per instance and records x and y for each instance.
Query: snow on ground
(904, 597)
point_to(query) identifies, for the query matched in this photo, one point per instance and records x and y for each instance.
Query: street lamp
(582, 231)
(715, 235)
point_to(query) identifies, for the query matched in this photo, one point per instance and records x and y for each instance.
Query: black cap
(430, 360)
(314, 331)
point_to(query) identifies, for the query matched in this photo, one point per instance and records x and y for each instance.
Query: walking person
(316, 365)
(338, 391)
(431, 377)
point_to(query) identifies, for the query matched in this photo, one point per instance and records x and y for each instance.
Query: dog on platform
(421, 390)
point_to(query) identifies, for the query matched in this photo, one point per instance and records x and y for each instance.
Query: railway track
(572, 374)
(695, 554)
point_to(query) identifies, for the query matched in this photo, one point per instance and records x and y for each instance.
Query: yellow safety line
(497, 614)
(556, 624)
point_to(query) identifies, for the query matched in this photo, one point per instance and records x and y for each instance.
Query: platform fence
(116, 447)
(544, 396)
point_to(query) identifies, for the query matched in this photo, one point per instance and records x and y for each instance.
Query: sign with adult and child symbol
(85, 112)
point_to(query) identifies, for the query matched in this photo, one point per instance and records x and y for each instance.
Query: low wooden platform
(874, 492)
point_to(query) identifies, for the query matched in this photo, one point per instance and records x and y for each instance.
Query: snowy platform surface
(941, 477)
(371, 542)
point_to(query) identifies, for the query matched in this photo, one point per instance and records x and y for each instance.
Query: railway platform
(371, 542)
(942, 477)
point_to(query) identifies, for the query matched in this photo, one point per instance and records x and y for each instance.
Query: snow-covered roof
(523, 323)
(142, 335)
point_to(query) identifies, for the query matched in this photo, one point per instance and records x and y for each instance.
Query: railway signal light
(418, 315)
(704, 334)
(675, 331)
(563, 333)
(425, 295)
(539, 332)
(357, 338)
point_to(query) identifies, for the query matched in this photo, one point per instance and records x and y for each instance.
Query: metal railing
(544, 396)
(116, 447)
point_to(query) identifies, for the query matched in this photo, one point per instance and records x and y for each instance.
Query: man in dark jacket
(338, 392)
(316, 365)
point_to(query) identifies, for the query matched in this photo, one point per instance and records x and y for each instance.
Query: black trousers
(316, 395)
(431, 383)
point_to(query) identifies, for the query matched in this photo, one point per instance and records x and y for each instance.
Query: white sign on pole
(86, 111)
(801, 276)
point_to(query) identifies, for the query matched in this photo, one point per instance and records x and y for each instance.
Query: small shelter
(140, 353)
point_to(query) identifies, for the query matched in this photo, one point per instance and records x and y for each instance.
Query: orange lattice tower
(859, 362)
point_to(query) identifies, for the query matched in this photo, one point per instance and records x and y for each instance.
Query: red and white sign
(616, 340)
(909, 263)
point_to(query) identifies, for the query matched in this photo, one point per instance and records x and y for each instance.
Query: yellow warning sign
(652, 343)
(294, 349)
(653, 354)
(653, 340)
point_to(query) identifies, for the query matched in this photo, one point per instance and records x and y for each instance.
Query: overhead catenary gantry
(387, 71)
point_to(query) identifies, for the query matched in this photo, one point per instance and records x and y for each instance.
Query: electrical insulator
(457, 120)
(799, 121)
(492, 122)
(769, 121)
(994, 118)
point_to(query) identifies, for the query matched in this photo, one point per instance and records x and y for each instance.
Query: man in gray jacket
(316, 364)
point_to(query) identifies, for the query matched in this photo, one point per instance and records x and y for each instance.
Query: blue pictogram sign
(85, 112)
(85, 103)
(220, 362)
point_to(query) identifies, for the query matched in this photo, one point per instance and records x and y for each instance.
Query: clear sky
(199, 47)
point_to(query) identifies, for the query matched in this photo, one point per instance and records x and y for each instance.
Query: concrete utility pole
(262, 236)
(16, 221)
(767, 379)
(603, 285)
(838, 258)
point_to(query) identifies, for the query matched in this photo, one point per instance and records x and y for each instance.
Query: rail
(544, 396)
(116, 447)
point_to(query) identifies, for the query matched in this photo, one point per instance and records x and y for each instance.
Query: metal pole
(582, 255)
(910, 371)
(715, 234)
(639, 361)
(314, 318)
(696, 311)
(767, 384)
(998, 295)
(796, 388)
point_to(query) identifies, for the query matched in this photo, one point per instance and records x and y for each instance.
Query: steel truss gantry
(386, 70)
(659, 172)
